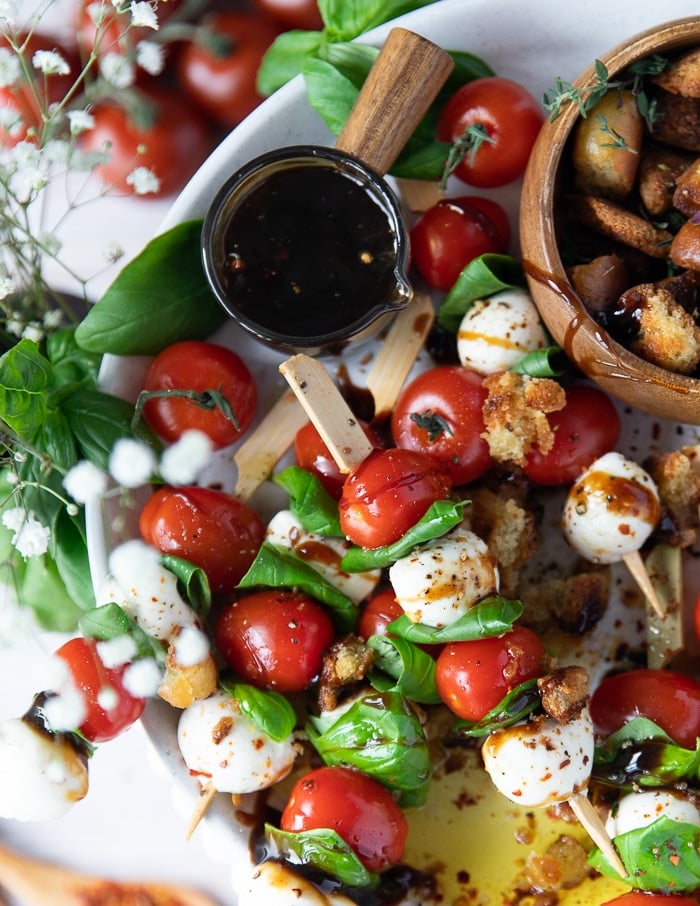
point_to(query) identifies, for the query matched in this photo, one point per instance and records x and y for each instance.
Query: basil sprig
(547, 362)
(312, 505)
(662, 857)
(268, 710)
(110, 621)
(440, 517)
(381, 735)
(482, 277)
(140, 315)
(400, 666)
(492, 616)
(641, 754)
(513, 707)
(323, 849)
(279, 567)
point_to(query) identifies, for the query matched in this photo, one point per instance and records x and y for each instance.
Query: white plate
(532, 43)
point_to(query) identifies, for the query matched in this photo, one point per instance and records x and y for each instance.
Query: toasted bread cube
(677, 121)
(685, 248)
(686, 195)
(668, 335)
(600, 282)
(616, 222)
(660, 171)
(683, 76)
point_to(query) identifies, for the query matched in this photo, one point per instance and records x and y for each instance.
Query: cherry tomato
(105, 718)
(358, 808)
(511, 117)
(440, 413)
(199, 366)
(671, 700)
(387, 494)
(222, 82)
(380, 610)
(584, 429)
(172, 142)
(303, 14)
(636, 898)
(274, 638)
(209, 528)
(473, 677)
(312, 454)
(23, 104)
(452, 233)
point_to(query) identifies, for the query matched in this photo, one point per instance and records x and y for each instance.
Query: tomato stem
(468, 143)
(209, 400)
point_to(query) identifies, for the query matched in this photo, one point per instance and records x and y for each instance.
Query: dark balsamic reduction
(309, 251)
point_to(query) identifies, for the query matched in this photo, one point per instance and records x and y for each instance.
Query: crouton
(564, 692)
(683, 76)
(686, 195)
(685, 248)
(677, 476)
(668, 336)
(515, 415)
(600, 282)
(677, 120)
(574, 603)
(345, 664)
(612, 220)
(660, 172)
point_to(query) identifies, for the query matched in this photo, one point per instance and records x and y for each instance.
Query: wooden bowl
(614, 368)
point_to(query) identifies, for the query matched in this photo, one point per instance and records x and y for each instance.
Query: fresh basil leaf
(513, 707)
(491, 617)
(312, 505)
(192, 581)
(330, 93)
(269, 711)
(140, 314)
(321, 848)
(440, 518)
(278, 567)
(286, 58)
(381, 735)
(662, 857)
(468, 66)
(55, 439)
(98, 420)
(481, 278)
(71, 364)
(111, 621)
(406, 668)
(42, 589)
(71, 557)
(25, 379)
(351, 59)
(641, 754)
(346, 19)
(420, 160)
(548, 362)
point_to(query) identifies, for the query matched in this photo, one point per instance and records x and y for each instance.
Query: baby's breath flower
(85, 481)
(143, 181)
(9, 9)
(131, 462)
(182, 462)
(150, 57)
(50, 62)
(7, 287)
(10, 68)
(57, 151)
(11, 122)
(191, 646)
(80, 121)
(118, 70)
(13, 519)
(97, 12)
(143, 15)
(66, 709)
(33, 331)
(113, 252)
(31, 538)
(14, 326)
(53, 319)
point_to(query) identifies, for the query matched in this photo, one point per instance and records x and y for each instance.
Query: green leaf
(381, 735)
(441, 517)
(286, 58)
(662, 857)
(25, 379)
(420, 160)
(491, 617)
(323, 849)
(192, 581)
(160, 297)
(71, 556)
(278, 567)
(548, 362)
(312, 505)
(513, 707)
(43, 589)
(71, 364)
(111, 621)
(98, 420)
(346, 19)
(268, 710)
(330, 93)
(481, 278)
(352, 59)
(407, 669)
(55, 439)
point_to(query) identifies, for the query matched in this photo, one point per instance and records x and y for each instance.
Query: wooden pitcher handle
(403, 82)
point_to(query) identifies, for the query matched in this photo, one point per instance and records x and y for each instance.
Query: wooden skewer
(266, 445)
(398, 353)
(206, 797)
(595, 828)
(42, 884)
(635, 565)
(419, 194)
(665, 636)
(327, 410)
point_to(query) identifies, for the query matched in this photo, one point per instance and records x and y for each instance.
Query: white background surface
(127, 827)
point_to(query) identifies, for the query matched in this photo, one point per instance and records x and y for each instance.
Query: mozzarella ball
(543, 762)
(611, 509)
(497, 332)
(219, 742)
(636, 810)
(440, 581)
(41, 775)
(323, 554)
(275, 884)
